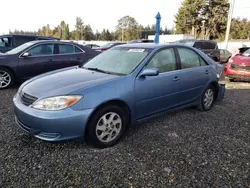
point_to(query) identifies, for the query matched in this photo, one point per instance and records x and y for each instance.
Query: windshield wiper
(103, 71)
(98, 70)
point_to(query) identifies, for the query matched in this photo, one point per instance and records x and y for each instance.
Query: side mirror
(26, 54)
(150, 72)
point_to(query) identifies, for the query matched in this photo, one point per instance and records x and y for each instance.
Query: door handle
(206, 72)
(176, 78)
(51, 60)
(78, 58)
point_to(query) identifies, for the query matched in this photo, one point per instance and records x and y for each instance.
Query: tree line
(208, 19)
(127, 29)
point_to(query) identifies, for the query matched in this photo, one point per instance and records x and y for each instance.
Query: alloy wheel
(208, 98)
(108, 127)
(5, 79)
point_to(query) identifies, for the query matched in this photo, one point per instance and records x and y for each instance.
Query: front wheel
(6, 78)
(207, 98)
(106, 126)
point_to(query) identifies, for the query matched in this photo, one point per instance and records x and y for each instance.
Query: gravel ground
(187, 148)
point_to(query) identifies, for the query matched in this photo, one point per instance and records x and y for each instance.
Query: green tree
(215, 14)
(79, 27)
(88, 33)
(240, 29)
(188, 17)
(126, 29)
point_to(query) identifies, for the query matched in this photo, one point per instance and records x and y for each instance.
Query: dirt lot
(183, 149)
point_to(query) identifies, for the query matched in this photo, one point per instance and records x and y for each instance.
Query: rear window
(209, 46)
(198, 45)
(21, 40)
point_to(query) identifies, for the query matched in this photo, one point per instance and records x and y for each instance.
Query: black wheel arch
(116, 102)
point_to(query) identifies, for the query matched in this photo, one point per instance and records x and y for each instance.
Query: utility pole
(230, 15)
(203, 29)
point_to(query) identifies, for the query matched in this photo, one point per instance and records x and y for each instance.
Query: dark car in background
(8, 42)
(109, 45)
(225, 55)
(209, 47)
(93, 46)
(37, 57)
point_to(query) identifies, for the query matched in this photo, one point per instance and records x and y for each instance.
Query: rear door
(68, 55)
(194, 74)
(39, 61)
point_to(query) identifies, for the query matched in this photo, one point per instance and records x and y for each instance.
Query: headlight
(56, 103)
(230, 60)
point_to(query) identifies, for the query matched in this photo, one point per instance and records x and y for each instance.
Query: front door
(154, 94)
(37, 62)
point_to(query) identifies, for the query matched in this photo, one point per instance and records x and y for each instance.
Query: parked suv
(209, 47)
(8, 42)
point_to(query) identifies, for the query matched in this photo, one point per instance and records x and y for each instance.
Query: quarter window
(42, 50)
(77, 50)
(164, 60)
(5, 42)
(190, 59)
(66, 49)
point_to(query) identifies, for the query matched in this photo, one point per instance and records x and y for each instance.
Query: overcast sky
(33, 14)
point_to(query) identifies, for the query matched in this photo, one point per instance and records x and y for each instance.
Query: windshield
(118, 61)
(19, 48)
(246, 53)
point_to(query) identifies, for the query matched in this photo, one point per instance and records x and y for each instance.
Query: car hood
(239, 59)
(64, 82)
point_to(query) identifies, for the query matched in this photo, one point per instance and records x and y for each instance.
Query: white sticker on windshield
(136, 50)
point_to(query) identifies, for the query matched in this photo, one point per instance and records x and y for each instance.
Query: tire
(7, 79)
(115, 128)
(206, 106)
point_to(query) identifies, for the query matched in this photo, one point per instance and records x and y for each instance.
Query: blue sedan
(125, 85)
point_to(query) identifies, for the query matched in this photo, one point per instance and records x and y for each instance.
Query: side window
(164, 60)
(42, 50)
(78, 50)
(190, 59)
(21, 40)
(66, 49)
(5, 42)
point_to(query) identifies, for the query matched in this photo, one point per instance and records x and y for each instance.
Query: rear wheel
(7, 79)
(106, 126)
(207, 99)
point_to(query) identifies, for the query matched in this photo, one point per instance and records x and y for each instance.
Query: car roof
(195, 40)
(54, 41)
(148, 45)
(26, 35)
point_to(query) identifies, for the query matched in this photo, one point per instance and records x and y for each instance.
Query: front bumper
(237, 74)
(61, 125)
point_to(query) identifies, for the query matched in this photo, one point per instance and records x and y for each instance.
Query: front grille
(27, 99)
(240, 68)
